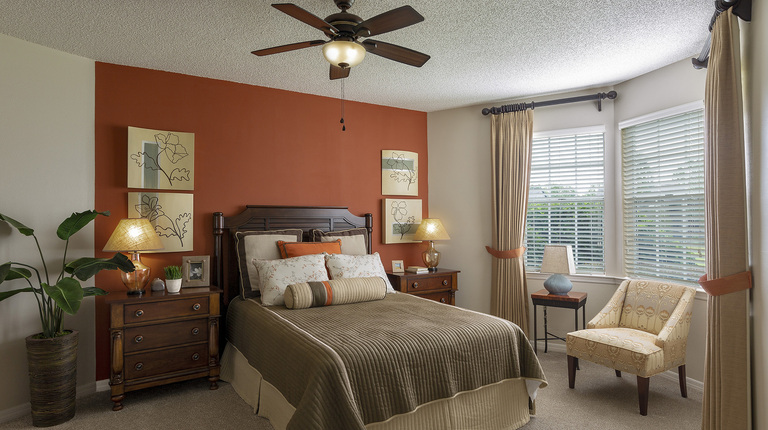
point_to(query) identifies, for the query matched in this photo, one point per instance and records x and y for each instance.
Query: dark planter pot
(52, 378)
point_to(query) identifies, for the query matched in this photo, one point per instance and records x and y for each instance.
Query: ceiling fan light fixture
(343, 53)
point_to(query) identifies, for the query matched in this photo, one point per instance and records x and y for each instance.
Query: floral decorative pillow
(276, 275)
(342, 266)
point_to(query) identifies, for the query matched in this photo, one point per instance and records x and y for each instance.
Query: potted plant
(172, 278)
(52, 353)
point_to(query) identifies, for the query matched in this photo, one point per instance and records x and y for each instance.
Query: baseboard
(102, 385)
(669, 374)
(25, 408)
(15, 412)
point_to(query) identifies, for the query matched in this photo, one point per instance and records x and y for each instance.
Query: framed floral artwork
(161, 160)
(401, 219)
(399, 173)
(169, 213)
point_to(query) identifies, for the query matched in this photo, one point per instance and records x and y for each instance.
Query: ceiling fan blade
(286, 48)
(396, 53)
(338, 72)
(306, 17)
(388, 21)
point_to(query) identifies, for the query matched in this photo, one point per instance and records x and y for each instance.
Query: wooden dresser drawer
(442, 297)
(429, 283)
(158, 338)
(440, 285)
(169, 360)
(141, 312)
(161, 335)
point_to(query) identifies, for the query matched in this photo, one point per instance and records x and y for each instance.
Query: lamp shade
(558, 259)
(133, 234)
(344, 54)
(431, 229)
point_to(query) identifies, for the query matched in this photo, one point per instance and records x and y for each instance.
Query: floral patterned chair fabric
(642, 330)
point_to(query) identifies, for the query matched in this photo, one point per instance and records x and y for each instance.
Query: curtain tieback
(726, 284)
(512, 253)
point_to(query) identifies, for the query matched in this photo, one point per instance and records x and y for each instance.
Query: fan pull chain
(343, 127)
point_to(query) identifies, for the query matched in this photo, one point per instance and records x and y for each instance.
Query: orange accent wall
(253, 145)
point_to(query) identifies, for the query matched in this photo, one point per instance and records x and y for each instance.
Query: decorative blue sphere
(558, 284)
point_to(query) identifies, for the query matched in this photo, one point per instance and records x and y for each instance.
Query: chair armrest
(675, 331)
(610, 315)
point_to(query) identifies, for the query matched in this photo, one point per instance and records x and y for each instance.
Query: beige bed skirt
(503, 405)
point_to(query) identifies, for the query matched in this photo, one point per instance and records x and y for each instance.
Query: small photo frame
(397, 266)
(196, 271)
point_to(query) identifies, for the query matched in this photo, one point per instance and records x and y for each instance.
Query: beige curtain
(726, 380)
(511, 136)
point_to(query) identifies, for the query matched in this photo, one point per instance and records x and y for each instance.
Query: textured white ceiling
(482, 51)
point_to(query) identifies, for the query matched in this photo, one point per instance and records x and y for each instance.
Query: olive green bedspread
(345, 366)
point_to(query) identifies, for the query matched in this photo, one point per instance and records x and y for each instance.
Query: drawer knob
(195, 331)
(415, 285)
(196, 306)
(139, 313)
(442, 300)
(445, 282)
(139, 366)
(138, 338)
(195, 356)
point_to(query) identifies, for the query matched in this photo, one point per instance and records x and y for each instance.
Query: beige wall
(460, 181)
(46, 173)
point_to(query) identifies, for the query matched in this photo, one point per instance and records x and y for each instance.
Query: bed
(399, 362)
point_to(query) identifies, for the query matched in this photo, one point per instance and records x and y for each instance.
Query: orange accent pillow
(297, 249)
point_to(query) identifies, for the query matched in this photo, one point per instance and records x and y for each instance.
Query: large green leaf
(93, 291)
(5, 294)
(67, 293)
(84, 268)
(26, 231)
(8, 272)
(75, 222)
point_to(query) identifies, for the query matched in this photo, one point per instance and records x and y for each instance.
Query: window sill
(601, 279)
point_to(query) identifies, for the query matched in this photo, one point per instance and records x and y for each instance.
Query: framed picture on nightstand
(196, 271)
(397, 266)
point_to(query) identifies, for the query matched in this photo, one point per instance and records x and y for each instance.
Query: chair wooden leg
(618, 373)
(572, 363)
(683, 383)
(642, 394)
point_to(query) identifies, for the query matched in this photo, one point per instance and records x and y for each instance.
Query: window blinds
(663, 193)
(566, 201)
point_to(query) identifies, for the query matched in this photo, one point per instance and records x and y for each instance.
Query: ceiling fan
(344, 50)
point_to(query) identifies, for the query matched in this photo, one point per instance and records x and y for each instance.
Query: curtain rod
(532, 105)
(741, 8)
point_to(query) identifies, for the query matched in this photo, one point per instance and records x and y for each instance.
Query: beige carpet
(600, 401)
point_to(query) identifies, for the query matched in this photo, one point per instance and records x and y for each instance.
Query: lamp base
(431, 257)
(558, 284)
(136, 281)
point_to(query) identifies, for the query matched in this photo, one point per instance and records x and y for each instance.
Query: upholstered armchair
(642, 330)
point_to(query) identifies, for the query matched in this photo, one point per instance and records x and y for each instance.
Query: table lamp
(431, 229)
(558, 259)
(134, 235)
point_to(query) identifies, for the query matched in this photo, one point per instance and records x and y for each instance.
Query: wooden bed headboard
(261, 218)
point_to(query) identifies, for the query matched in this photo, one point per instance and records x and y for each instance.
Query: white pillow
(350, 245)
(276, 275)
(342, 266)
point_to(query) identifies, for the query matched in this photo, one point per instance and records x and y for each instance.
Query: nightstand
(160, 338)
(440, 286)
(573, 300)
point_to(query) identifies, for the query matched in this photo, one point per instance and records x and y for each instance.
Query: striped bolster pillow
(334, 292)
